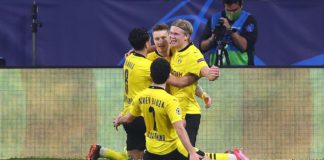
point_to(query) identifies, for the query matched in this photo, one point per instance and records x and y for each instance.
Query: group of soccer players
(161, 116)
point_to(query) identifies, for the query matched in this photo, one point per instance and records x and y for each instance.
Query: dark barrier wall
(94, 32)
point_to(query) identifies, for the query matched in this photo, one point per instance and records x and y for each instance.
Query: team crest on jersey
(178, 111)
(179, 60)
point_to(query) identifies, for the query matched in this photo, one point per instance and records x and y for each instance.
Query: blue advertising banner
(92, 33)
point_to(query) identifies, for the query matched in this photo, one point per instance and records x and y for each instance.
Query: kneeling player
(166, 137)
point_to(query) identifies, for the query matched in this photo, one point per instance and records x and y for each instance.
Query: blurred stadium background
(271, 113)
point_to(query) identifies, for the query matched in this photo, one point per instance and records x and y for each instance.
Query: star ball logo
(178, 111)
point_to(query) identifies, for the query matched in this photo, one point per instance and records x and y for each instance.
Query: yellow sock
(220, 156)
(113, 155)
(212, 156)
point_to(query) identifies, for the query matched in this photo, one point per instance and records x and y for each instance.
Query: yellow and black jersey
(136, 77)
(187, 61)
(160, 110)
(154, 55)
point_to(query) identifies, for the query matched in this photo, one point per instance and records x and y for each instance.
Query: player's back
(136, 77)
(159, 110)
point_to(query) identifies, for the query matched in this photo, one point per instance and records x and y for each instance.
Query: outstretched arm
(123, 119)
(211, 73)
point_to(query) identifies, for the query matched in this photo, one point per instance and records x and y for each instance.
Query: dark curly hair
(138, 37)
(160, 70)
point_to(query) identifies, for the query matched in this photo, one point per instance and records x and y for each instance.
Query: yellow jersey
(187, 61)
(160, 110)
(136, 77)
(154, 55)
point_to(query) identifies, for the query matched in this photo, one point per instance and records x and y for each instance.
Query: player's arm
(126, 119)
(123, 120)
(201, 69)
(211, 73)
(183, 135)
(182, 81)
(130, 116)
(204, 96)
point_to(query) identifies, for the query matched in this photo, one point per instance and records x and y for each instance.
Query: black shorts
(135, 134)
(192, 126)
(174, 155)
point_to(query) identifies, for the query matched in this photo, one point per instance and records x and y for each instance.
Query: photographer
(234, 31)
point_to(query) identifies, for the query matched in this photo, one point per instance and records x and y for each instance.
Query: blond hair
(184, 25)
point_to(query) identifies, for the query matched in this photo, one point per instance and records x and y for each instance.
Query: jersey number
(151, 109)
(126, 81)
